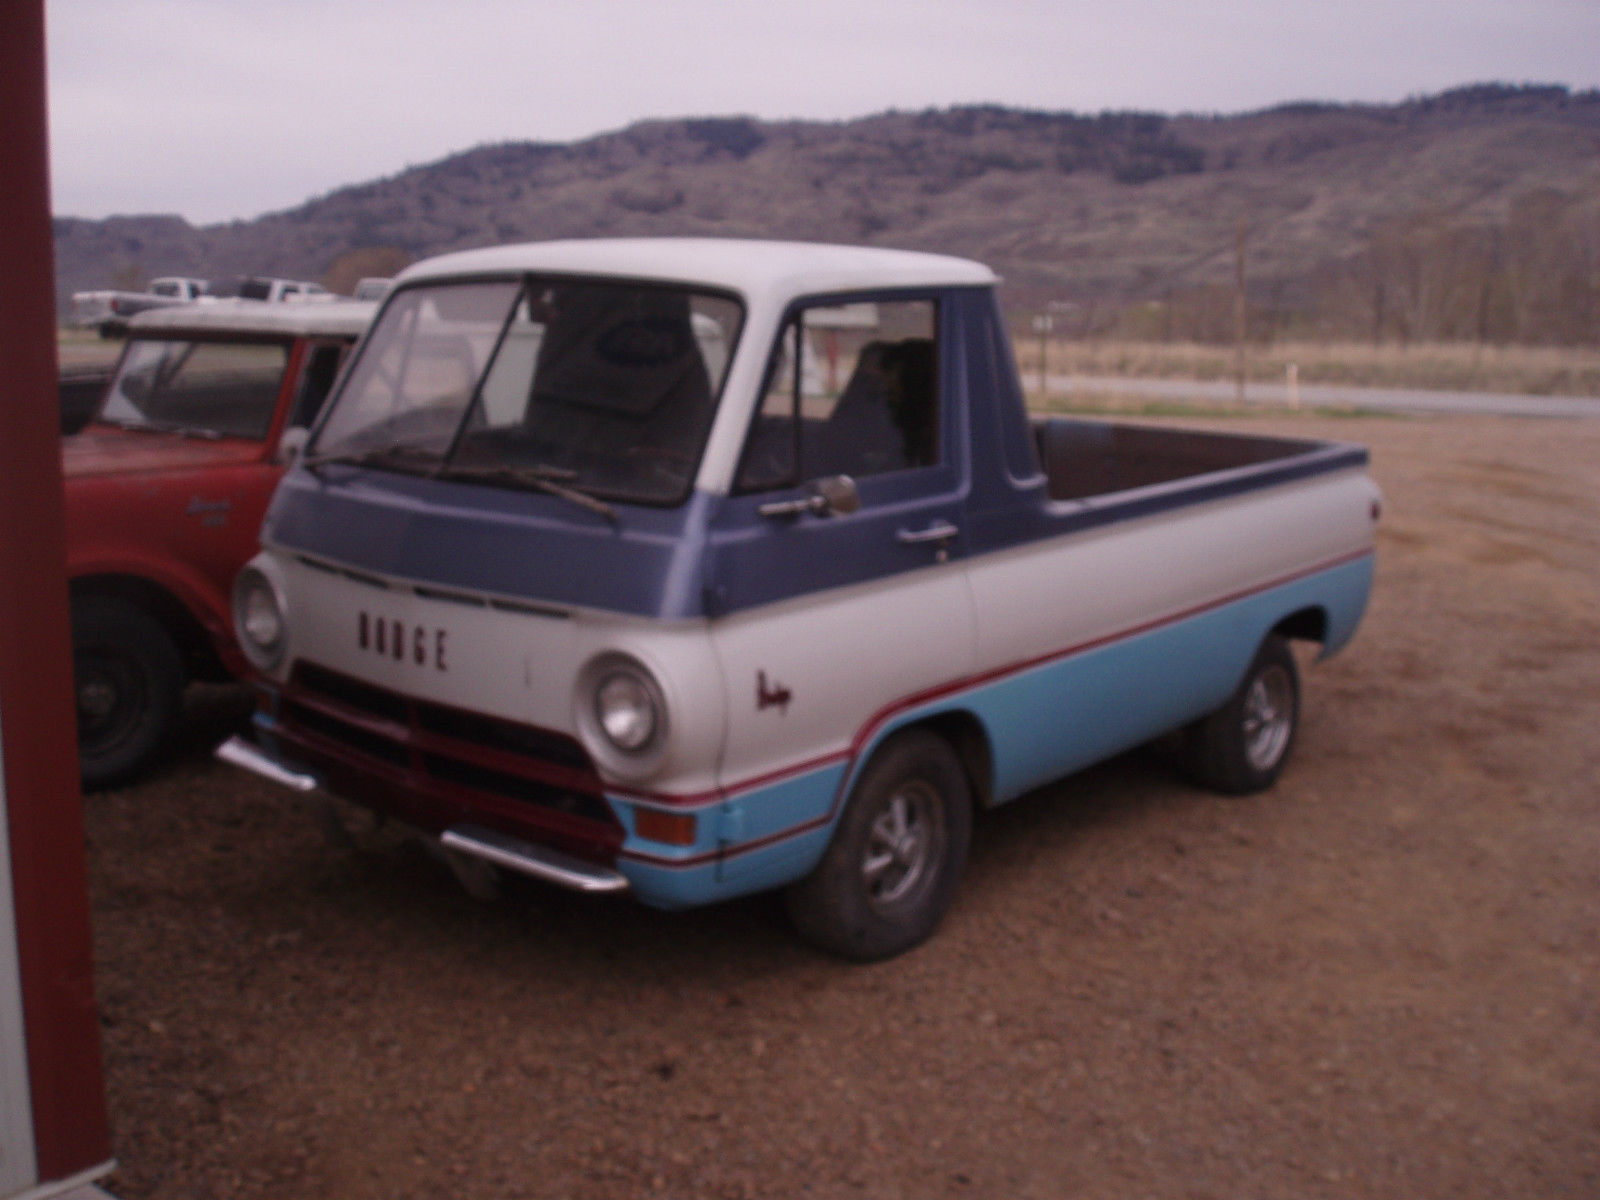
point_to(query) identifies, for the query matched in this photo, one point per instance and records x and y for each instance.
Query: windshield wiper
(401, 456)
(132, 426)
(209, 435)
(554, 481)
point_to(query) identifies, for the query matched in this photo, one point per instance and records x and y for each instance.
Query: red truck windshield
(209, 389)
(604, 388)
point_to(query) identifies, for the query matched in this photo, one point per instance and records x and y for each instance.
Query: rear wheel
(1242, 747)
(129, 677)
(891, 870)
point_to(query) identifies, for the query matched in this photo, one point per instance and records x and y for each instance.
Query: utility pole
(1241, 310)
(1045, 326)
(1042, 324)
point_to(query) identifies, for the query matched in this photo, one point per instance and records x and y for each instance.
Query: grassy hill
(1124, 217)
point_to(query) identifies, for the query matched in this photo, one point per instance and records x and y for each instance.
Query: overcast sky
(224, 109)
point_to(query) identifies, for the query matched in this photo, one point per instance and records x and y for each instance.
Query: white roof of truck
(753, 268)
(339, 318)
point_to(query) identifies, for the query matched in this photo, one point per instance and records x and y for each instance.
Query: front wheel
(1242, 747)
(129, 677)
(891, 870)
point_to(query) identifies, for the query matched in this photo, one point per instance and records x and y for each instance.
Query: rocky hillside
(1106, 211)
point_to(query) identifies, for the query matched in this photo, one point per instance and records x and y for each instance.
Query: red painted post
(38, 735)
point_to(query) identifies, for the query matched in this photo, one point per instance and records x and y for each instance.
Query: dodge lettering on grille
(401, 642)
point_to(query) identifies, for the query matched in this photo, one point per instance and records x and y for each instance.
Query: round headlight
(261, 621)
(626, 709)
(258, 618)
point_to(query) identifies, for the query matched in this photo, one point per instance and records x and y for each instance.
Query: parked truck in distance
(372, 287)
(109, 310)
(165, 490)
(262, 287)
(692, 568)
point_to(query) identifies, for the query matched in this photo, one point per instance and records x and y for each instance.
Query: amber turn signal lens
(672, 829)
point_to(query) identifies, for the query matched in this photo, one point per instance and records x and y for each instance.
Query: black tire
(129, 677)
(1243, 746)
(891, 870)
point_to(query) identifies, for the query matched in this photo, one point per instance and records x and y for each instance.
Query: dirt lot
(1379, 980)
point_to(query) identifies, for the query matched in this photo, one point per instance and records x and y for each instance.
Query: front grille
(362, 697)
(444, 750)
(363, 741)
(504, 736)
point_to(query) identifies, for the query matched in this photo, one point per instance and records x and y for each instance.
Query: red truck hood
(106, 450)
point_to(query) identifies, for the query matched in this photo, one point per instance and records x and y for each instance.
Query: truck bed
(1083, 458)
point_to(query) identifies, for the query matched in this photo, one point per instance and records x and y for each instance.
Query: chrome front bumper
(498, 849)
(247, 754)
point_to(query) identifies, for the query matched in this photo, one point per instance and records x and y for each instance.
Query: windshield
(605, 389)
(209, 389)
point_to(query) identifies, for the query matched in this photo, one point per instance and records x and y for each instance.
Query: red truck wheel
(129, 677)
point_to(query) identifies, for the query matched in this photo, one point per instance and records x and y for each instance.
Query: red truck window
(213, 389)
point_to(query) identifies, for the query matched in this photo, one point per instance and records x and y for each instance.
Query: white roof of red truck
(337, 318)
(750, 267)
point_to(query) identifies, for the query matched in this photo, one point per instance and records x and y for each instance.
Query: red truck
(165, 490)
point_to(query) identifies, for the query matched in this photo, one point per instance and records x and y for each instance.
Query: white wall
(18, 1170)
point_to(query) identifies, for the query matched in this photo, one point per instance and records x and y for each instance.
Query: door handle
(939, 531)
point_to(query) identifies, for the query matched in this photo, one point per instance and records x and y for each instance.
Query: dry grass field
(1376, 981)
(85, 350)
(1529, 370)
(1514, 370)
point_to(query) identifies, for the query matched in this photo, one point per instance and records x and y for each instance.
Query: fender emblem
(212, 513)
(771, 695)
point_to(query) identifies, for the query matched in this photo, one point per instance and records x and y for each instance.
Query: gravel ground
(1378, 980)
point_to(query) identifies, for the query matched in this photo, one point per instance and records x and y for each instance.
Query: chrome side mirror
(832, 495)
(292, 444)
(838, 494)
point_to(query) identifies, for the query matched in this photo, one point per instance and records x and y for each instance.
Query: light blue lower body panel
(1345, 590)
(756, 839)
(1043, 722)
(1065, 715)
(768, 866)
(670, 885)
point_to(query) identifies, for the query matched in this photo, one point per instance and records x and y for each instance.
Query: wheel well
(1309, 625)
(965, 735)
(199, 656)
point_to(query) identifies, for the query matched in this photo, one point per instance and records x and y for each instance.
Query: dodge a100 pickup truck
(165, 490)
(692, 568)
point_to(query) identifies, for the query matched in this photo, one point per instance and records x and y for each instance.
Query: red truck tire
(130, 678)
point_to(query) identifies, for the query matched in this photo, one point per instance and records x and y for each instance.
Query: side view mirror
(838, 495)
(292, 444)
(832, 495)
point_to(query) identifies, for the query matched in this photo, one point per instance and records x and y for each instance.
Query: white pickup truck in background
(108, 310)
(262, 287)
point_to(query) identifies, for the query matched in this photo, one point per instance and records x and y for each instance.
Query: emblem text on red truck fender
(404, 643)
(212, 513)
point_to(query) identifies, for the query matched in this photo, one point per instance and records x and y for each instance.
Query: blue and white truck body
(694, 568)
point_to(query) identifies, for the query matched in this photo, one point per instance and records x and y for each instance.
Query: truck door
(835, 570)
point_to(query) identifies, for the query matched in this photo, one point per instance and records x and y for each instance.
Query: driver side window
(852, 389)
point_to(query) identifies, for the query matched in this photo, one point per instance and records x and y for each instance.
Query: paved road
(1327, 396)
